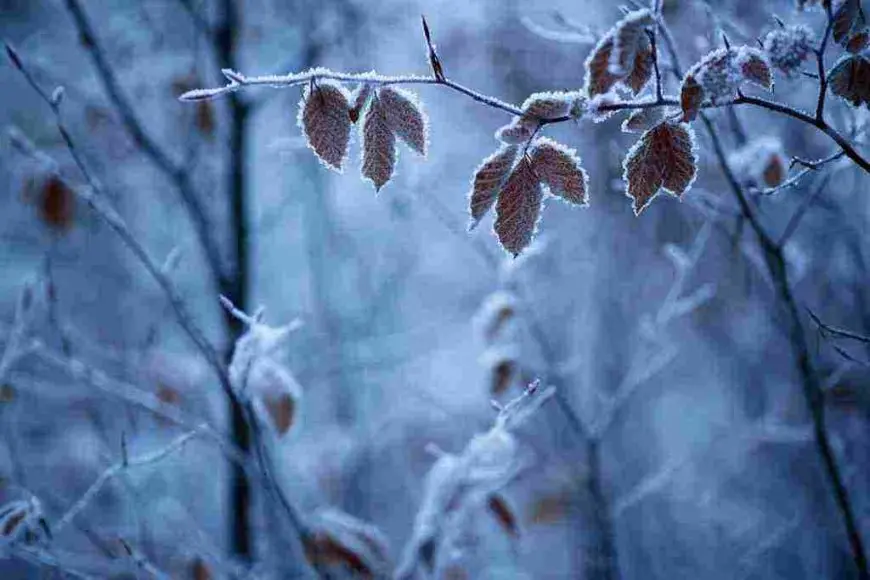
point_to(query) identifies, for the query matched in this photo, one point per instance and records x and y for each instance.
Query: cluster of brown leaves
(850, 76)
(327, 112)
(623, 57)
(514, 182)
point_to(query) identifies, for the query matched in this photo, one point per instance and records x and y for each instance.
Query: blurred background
(687, 450)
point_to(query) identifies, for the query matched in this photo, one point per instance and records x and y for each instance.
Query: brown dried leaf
(7, 393)
(324, 116)
(559, 169)
(845, 17)
(691, 97)
(642, 119)
(599, 79)
(56, 204)
(502, 373)
(519, 130)
(379, 146)
(642, 70)
(199, 570)
(168, 395)
(858, 41)
(774, 171)
(629, 36)
(518, 208)
(499, 508)
(204, 119)
(12, 520)
(404, 117)
(663, 158)
(360, 99)
(488, 180)
(547, 106)
(281, 408)
(324, 550)
(755, 69)
(850, 80)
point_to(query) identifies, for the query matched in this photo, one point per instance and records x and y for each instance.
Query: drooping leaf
(56, 204)
(379, 145)
(599, 79)
(518, 208)
(755, 68)
(404, 117)
(629, 36)
(325, 120)
(663, 158)
(691, 98)
(761, 162)
(858, 41)
(360, 100)
(845, 18)
(643, 68)
(504, 515)
(502, 374)
(850, 79)
(559, 169)
(281, 408)
(489, 178)
(642, 119)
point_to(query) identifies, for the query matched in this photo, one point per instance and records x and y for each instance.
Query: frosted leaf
(643, 68)
(850, 79)
(599, 79)
(338, 538)
(379, 145)
(276, 392)
(518, 208)
(663, 158)
(518, 131)
(787, 48)
(548, 106)
(405, 117)
(488, 180)
(691, 98)
(760, 162)
(846, 16)
(325, 120)
(719, 74)
(504, 515)
(642, 119)
(497, 310)
(858, 41)
(629, 36)
(559, 169)
(623, 55)
(360, 100)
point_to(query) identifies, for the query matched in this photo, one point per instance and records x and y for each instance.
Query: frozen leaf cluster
(327, 111)
(257, 377)
(788, 47)
(623, 57)
(720, 74)
(458, 484)
(515, 182)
